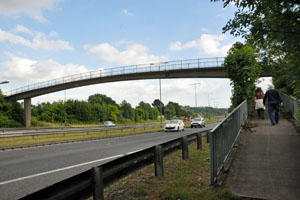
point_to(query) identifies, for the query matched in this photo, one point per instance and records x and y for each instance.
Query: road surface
(24, 171)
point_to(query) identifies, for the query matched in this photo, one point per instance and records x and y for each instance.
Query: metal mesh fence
(291, 104)
(222, 138)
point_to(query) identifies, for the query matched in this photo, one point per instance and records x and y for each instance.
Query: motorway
(23, 171)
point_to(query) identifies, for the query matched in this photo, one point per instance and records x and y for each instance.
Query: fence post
(185, 148)
(98, 188)
(199, 141)
(207, 137)
(158, 161)
(212, 159)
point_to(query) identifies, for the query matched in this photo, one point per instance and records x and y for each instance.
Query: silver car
(174, 125)
(109, 124)
(198, 122)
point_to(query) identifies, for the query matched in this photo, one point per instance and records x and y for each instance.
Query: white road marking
(58, 170)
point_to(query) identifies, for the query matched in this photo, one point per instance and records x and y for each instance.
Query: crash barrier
(92, 182)
(4, 133)
(223, 137)
(291, 104)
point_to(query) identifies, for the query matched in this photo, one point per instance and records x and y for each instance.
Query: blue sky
(46, 39)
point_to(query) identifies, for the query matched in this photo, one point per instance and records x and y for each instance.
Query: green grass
(184, 180)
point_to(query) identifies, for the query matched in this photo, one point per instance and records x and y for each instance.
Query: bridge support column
(27, 108)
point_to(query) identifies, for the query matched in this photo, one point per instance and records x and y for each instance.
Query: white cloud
(126, 12)
(39, 41)
(220, 16)
(53, 34)
(208, 44)
(24, 70)
(204, 29)
(133, 54)
(264, 83)
(12, 38)
(22, 29)
(176, 46)
(40, 18)
(32, 8)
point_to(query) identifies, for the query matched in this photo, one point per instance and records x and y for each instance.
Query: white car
(198, 122)
(109, 124)
(174, 125)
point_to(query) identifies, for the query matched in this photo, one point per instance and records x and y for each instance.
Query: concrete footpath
(267, 164)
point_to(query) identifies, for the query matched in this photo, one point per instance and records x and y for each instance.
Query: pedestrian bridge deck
(267, 165)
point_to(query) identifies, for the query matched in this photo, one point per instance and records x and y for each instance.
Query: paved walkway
(267, 165)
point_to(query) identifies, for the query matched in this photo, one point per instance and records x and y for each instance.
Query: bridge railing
(223, 137)
(132, 69)
(93, 181)
(291, 104)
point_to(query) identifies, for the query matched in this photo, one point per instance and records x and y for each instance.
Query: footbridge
(192, 68)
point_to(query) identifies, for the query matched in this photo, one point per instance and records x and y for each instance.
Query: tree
(113, 112)
(242, 68)
(274, 28)
(11, 113)
(99, 98)
(157, 103)
(139, 113)
(170, 110)
(126, 110)
(147, 114)
(268, 22)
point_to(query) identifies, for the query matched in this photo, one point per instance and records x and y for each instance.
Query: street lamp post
(195, 85)
(208, 98)
(65, 108)
(3, 82)
(160, 106)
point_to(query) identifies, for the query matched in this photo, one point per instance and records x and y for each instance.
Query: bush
(34, 121)
(298, 116)
(5, 122)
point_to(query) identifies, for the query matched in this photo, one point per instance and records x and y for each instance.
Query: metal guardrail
(92, 182)
(132, 69)
(223, 137)
(291, 104)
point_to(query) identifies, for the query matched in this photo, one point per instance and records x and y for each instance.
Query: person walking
(258, 103)
(274, 103)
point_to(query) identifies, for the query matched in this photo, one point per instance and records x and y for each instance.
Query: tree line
(11, 113)
(96, 109)
(207, 112)
(100, 108)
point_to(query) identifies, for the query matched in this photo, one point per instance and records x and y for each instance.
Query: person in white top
(258, 103)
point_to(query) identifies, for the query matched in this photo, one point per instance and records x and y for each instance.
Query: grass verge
(45, 139)
(184, 180)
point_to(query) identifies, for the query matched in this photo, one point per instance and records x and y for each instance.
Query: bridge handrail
(93, 181)
(223, 137)
(291, 104)
(131, 69)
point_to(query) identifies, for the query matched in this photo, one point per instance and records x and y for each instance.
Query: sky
(42, 40)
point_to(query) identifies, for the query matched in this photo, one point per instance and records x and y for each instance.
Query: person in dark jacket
(274, 103)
